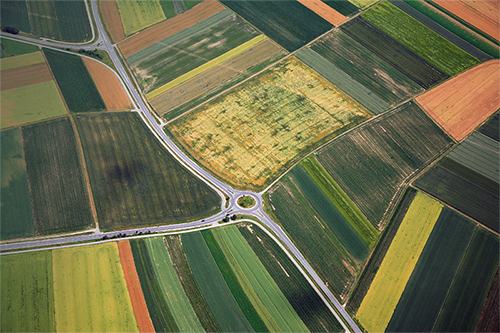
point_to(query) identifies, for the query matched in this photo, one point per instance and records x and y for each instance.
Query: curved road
(102, 42)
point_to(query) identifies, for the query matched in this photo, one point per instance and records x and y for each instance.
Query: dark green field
(12, 48)
(16, 213)
(15, 14)
(492, 127)
(303, 298)
(289, 23)
(75, 82)
(489, 320)
(134, 180)
(465, 300)
(73, 20)
(58, 191)
(393, 52)
(366, 67)
(43, 18)
(371, 162)
(437, 265)
(159, 312)
(181, 266)
(344, 7)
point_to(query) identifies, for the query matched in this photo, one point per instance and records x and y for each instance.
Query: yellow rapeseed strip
(389, 283)
(206, 66)
(363, 3)
(21, 60)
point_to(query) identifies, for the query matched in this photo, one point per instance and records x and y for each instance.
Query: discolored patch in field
(25, 76)
(462, 103)
(325, 11)
(139, 14)
(109, 85)
(169, 27)
(111, 19)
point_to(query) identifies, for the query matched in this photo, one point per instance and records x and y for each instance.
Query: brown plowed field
(134, 288)
(465, 101)
(482, 14)
(325, 11)
(111, 19)
(25, 76)
(489, 320)
(112, 92)
(169, 27)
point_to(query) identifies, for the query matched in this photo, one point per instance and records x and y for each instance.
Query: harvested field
(88, 283)
(489, 320)
(21, 60)
(396, 268)
(210, 81)
(167, 28)
(25, 76)
(253, 134)
(110, 87)
(139, 14)
(484, 15)
(462, 103)
(141, 313)
(111, 20)
(325, 11)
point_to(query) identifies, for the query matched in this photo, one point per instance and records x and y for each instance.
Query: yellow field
(206, 66)
(363, 3)
(31, 103)
(254, 133)
(90, 292)
(21, 60)
(139, 14)
(389, 283)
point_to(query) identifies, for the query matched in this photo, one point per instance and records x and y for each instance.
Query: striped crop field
(396, 268)
(325, 11)
(284, 112)
(15, 14)
(12, 48)
(139, 14)
(22, 60)
(363, 4)
(110, 17)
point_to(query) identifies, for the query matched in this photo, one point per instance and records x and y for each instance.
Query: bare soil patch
(25, 76)
(462, 103)
(325, 11)
(111, 19)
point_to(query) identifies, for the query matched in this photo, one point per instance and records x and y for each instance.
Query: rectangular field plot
(344, 7)
(12, 48)
(134, 180)
(17, 216)
(110, 17)
(250, 135)
(372, 163)
(15, 14)
(282, 21)
(25, 76)
(365, 67)
(396, 268)
(88, 282)
(326, 12)
(423, 41)
(26, 59)
(27, 293)
(43, 19)
(139, 14)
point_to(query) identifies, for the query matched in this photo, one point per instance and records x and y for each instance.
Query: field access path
(102, 42)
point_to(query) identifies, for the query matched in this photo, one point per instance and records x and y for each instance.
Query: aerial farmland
(249, 166)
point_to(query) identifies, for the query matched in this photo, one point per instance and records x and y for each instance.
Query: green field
(17, 216)
(417, 311)
(303, 298)
(59, 194)
(213, 286)
(491, 127)
(139, 14)
(344, 7)
(134, 180)
(75, 82)
(313, 237)
(196, 298)
(428, 44)
(11, 47)
(463, 305)
(15, 14)
(73, 20)
(289, 23)
(159, 311)
(27, 293)
(393, 52)
(171, 288)
(365, 67)
(341, 201)
(372, 162)
(22, 60)
(363, 4)
(43, 18)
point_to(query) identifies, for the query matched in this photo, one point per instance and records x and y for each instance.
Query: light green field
(244, 261)
(171, 287)
(90, 292)
(137, 15)
(363, 3)
(21, 60)
(396, 268)
(31, 103)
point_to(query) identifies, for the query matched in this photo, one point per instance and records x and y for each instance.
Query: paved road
(102, 42)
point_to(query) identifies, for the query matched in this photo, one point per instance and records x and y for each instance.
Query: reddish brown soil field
(134, 288)
(489, 321)
(111, 18)
(169, 27)
(113, 93)
(482, 14)
(462, 103)
(325, 11)
(24, 76)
